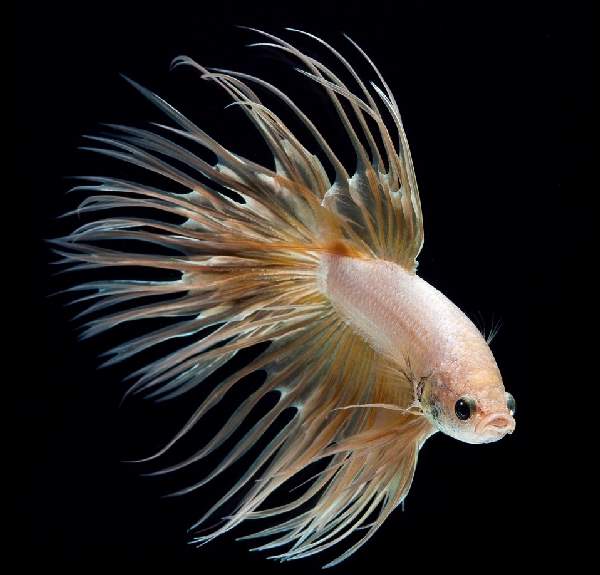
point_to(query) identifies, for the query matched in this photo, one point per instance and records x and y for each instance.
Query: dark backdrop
(494, 100)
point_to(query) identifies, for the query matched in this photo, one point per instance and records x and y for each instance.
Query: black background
(494, 99)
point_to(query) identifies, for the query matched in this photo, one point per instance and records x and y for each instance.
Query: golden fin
(248, 274)
(380, 203)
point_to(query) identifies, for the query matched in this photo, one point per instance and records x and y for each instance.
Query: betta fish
(365, 360)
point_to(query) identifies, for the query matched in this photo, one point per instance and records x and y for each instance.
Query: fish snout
(496, 424)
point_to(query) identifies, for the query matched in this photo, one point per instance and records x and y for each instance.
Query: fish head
(474, 409)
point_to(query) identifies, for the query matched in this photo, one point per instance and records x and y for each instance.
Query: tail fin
(248, 268)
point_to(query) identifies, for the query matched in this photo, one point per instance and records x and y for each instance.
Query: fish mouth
(496, 425)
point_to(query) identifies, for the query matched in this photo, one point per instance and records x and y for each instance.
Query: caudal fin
(247, 265)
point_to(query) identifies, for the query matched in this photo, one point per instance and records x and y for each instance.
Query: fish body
(365, 359)
(422, 332)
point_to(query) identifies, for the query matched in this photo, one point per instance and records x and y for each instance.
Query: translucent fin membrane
(248, 273)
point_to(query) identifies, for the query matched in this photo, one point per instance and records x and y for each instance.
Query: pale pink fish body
(366, 360)
(402, 316)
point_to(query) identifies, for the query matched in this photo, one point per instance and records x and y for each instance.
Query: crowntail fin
(247, 263)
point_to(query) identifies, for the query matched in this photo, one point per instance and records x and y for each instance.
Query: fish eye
(464, 408)
(511, 404)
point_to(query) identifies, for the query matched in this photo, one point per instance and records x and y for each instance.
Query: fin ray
(247, 267)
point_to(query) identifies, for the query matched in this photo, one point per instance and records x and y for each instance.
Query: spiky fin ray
(382, 206)
(249, 273)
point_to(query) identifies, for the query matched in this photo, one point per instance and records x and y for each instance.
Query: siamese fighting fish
(312, 258)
